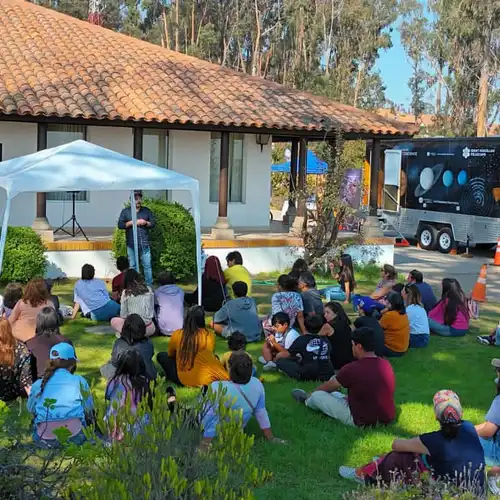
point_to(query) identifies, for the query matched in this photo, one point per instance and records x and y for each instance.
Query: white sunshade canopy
(82, 166)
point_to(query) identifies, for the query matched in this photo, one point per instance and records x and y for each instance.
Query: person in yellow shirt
(190, 359)
(396, 326)
(236, 272)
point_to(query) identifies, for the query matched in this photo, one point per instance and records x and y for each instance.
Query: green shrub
(164, 461)
(173, 239)
(24, 256)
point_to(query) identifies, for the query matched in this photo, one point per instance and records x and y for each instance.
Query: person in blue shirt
(452, 454)
(60, 399)
(145, 222)
(426, 292)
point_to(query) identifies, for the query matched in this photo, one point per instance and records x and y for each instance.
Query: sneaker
(299, 395)
(483, 340)
(493, 485)
(269, 366)
(262, 360)
(350, 473)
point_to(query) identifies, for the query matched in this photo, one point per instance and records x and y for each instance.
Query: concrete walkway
(435, 266)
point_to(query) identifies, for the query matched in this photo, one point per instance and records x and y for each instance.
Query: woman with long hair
(396, 326)
(15, 365)
(25, 312)
(137, 298)
(338, 330)
(11, 296)
(343, 272)
(419, 323)
(299, 266)
(452, 454)
(72, 405)
(130, 384)
(213, 290)
(47, 335)
(450, 316)
(134, 337)
(190, 359)
(388, 276)
(91, 297)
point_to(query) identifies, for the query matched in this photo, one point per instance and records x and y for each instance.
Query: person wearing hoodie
(239, 315)
(169, 304)
(313, 305)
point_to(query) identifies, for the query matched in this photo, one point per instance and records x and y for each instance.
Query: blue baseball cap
(367, 304)
(63, 350)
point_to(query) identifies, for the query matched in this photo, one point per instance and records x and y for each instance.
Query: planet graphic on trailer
(462, 177)
(448, 178)
(428, 178)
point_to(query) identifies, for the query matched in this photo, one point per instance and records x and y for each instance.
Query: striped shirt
(143, 305)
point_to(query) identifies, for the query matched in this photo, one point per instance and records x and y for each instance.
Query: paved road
(435, 266)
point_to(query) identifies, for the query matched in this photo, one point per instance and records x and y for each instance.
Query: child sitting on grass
(12, 295)
(283, 338)
(237, 342)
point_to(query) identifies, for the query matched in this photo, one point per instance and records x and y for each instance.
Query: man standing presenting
(145, 221)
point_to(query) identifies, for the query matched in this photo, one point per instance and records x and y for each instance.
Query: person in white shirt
(282, 339)
(419, 323)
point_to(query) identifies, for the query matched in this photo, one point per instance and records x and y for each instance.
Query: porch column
(372, 224)
(222, 230)
(41, 223)
(292, 184)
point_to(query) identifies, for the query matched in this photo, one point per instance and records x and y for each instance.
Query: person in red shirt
(118, 283)
(370, 385)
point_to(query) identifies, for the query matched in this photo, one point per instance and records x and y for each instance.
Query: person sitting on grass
(118, 283)
(282, 339)
(345, 278)
(49, 284)
(370, 385)
(384, 286)
(190, 359)
(133, 336)
(129, 385)
(61, 399)
(238, 315)
(338, 332)
(236, 342)
(493, 339)
(450, 316)
(15, 365)
(47, 336)
(12, 295)
(287, 300)
(246, 396)
(368, 310)
(426, 292)
(489, 436)
(236, 272)
(299, 266)
(452, 454)
(311, 298)
(419, 323)
(92, 297)
(396, 327)
(169, 304)
(308, 358)
(137, 298)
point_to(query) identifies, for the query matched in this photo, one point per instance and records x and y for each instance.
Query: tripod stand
(76, 228)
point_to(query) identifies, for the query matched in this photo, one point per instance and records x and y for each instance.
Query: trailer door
(392, 180)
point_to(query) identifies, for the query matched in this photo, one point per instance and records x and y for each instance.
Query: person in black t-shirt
(308, 358)
(368, 310)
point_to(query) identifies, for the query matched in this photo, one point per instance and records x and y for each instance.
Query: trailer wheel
(445, 240)
(427, 237)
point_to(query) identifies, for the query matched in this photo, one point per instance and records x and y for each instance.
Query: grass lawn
(307, 467)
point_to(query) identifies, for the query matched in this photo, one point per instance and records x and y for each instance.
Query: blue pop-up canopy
(314, 165)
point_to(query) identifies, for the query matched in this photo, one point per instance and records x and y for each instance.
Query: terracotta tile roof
(56, 66)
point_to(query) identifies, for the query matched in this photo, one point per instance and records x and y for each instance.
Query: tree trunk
(192, 25)
(256, 44)
(482, 103)
(357, 88)
(165, 28)
(177, 25)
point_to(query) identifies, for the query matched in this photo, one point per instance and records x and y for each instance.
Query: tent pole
(134, 229)
(197, 225)
(5, 225)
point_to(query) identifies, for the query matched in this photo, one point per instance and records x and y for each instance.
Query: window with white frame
(57, 135)
(236, 155)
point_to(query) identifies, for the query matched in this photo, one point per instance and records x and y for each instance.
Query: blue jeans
(445, 330)
(77, 439)
(104, 313)
(333, 293)
(419, 340)
(145, 257)
(389, 353)
(491, 449)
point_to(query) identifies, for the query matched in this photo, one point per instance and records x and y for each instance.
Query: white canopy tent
(82, 166)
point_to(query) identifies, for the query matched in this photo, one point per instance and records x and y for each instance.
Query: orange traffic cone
(496, 262)
(479, 290)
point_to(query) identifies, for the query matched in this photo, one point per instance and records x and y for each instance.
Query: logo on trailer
(466, 152)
